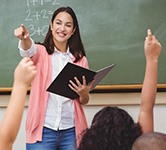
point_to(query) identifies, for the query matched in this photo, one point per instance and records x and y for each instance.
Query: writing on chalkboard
(33, 15)
(41, 2)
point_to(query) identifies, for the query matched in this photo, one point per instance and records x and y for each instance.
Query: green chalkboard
(113, 31)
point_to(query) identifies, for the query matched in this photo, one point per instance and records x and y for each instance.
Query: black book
(60, 84)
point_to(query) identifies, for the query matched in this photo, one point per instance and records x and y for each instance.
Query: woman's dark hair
(112, 129)
(75, 44)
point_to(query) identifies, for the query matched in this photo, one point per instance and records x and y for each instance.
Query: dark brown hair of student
(75, 43)
(112, 129)
(150, 141)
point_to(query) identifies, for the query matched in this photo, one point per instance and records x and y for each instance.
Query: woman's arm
(81, 89)
(24, 74)
(23, 35)
(152, 51)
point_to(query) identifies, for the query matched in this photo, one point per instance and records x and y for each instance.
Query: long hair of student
(75, 43)
(112, 129)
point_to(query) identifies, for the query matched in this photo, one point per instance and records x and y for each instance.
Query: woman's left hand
(81, 89)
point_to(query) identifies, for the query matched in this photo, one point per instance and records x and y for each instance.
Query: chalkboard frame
(104, 88)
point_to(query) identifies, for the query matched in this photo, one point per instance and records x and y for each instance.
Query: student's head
(64, 29)
(112, 129)
(150, 141)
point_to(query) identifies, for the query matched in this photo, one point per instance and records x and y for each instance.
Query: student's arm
(152, 51)
(23, 35)
(24, 74)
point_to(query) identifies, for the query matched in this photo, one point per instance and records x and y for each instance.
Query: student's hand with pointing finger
(21, 32)
(148, 94)
(81, 89)
(152, 47)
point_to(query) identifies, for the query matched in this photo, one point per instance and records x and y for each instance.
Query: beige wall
(128, 101)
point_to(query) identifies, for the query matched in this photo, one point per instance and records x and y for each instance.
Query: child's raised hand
(152, 47)
(21, 32)
(25, 72)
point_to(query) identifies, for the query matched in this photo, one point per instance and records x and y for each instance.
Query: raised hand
(152, 47)
(25, 72)
(148, 95)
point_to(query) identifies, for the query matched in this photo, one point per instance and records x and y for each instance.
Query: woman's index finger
(23, 27)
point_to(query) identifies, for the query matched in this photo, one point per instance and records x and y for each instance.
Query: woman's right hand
(21, 32)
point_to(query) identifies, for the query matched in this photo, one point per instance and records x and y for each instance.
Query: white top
(60, 110)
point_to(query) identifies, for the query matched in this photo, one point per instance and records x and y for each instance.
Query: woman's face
(62, 28)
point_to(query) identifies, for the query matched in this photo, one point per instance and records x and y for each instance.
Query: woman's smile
(61, 34)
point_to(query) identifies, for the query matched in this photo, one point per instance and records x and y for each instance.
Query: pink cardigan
(39, 97)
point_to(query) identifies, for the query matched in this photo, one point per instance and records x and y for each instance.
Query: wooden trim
(8, 89)
(102, 87)
(124, 87)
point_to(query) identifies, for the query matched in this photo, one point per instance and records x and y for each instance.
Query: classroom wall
(128, 101)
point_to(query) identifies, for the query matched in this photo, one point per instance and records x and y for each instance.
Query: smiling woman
(50, 114)
(62, 29)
